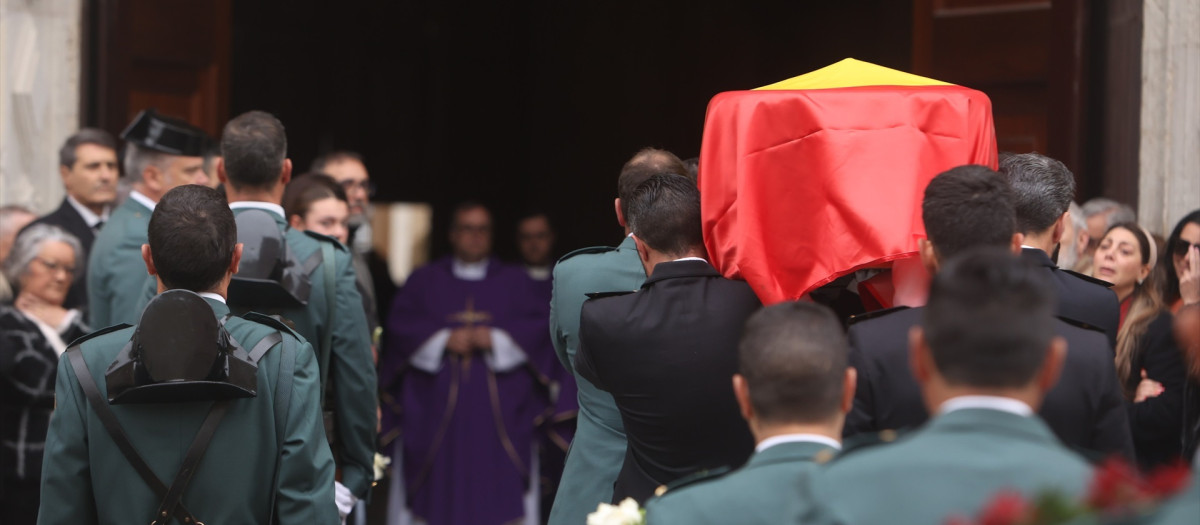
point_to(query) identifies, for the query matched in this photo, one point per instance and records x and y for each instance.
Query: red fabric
(801, 187)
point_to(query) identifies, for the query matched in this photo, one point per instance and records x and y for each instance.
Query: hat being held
(167, 135)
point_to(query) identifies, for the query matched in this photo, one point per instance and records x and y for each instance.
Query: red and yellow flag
(814, 177)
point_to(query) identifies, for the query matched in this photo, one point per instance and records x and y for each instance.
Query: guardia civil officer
(307, 279)
(193, 416)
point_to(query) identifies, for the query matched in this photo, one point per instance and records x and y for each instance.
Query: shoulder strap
(330, 306)
(88, 385)
(192, 459)
(283, 400)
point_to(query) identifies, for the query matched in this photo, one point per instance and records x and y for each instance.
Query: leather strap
(194, 454)
(283, 400)
(330, 307)
(109, 420)
(265, 344)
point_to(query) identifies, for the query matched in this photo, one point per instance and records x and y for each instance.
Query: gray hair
(7, 213)
(1042, 189)
(137, 159)
(99, 137)
(1120, 212)
(1077, 218)
(29, 244)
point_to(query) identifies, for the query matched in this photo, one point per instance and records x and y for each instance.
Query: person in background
(1182, 265)
(34, 331)
(317, 203)
(12, 219)
(535, 242)
(1100, 214)
(793, 387)
(87, 163)
(1148, 362)
(1074, 240)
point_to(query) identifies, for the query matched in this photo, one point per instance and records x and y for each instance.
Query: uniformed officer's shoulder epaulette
(866, 441)
(1088, 278)
(692, 479)
(98, 333)
(584, 251)
(602, 295)
(271, 321)
(1081, 324)
(325, 238)
(873, 315)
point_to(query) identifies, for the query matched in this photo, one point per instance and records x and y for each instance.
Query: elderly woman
(35, 329)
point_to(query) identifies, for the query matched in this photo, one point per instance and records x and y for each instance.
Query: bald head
(645, 164)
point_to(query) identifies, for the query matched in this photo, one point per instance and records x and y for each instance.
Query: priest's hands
(465, 340)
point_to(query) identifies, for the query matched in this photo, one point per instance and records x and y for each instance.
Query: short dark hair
(254, 146)
(67, 155)
(1042, 189)
(664, 212)
(967, 206)
(989, 319)
(794, 357)
(192, 234)
(308, 188)
(643, 165)
(335, 157)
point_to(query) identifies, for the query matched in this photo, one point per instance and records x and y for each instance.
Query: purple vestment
(467, 429)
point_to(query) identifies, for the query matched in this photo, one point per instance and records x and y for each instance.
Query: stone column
(40, 54)
(1169, 181)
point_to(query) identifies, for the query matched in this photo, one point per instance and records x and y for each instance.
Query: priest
(466, 368)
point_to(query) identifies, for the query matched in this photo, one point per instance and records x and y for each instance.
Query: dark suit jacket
(666, 353)
(1158, 421)
(67, 218)
(1081, 298)
(1086, 409)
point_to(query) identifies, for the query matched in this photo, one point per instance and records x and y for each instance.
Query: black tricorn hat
(176, 137)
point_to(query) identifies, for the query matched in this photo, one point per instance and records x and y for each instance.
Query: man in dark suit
(794, 389)
(87, 163)
(1042, 189)
(983, 379)
(966, 207)
(666, 353)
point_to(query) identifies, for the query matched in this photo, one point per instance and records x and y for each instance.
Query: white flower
(625, 513)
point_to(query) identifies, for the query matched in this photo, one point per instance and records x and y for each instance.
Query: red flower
(1166, 481)
(1007, 507)
(1114, 484)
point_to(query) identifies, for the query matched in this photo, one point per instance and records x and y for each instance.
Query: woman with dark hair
(317, 203)
(1182, 264)
(35, 329)
(1146, 348)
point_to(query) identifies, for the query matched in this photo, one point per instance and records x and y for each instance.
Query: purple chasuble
(467, 429)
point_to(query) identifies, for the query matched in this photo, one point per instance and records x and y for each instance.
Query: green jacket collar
(280, 220)
(219, 308)
(789, 452)
(996, 422)
(627, 244)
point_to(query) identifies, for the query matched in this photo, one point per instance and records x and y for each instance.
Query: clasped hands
(466, 340)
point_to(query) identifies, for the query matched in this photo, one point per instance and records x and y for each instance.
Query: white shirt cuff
(429, 356)
(506, 355)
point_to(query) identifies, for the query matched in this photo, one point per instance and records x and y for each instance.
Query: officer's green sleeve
(66, 474)
(306, 469)
(353, 375)
(98, 291)
(557, 337)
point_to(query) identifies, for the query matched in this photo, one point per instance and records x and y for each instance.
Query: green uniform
(779, 485)
(351, 370)
(86, 479)
(598, 448)
(116, 273)
(954, 465)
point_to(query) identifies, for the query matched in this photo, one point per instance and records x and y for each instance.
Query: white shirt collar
(268, 206)
(538, 273)
(476, 271)
(213, 296)
(797, 438)
(701, 259)
(1003, 404)
(88, 215)
(142, 199)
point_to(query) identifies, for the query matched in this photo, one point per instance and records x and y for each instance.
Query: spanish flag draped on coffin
(817, 176)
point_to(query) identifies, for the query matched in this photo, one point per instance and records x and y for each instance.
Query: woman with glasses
(35, 329)
(1182, 267)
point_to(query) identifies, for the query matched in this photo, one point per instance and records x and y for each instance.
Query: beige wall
(39, 97)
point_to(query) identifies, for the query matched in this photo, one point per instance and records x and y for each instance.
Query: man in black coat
(965, 207)
(668, 352)
(1042, 189)
(87, 163)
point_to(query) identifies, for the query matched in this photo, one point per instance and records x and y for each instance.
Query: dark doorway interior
(528, 105)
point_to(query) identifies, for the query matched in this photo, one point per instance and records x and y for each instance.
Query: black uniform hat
(176, 137)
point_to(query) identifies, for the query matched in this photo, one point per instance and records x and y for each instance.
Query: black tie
(96, 228)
